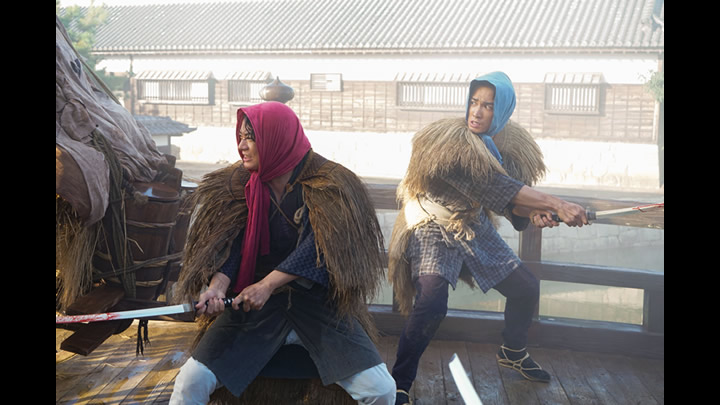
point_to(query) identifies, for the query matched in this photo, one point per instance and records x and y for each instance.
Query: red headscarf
(281, 145)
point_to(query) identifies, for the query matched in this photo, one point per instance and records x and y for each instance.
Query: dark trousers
(521, 290)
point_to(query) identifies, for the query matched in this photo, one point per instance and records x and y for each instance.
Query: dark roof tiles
(382, 25)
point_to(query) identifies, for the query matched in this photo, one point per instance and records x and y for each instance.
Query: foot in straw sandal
(402, 398)
(520, 361)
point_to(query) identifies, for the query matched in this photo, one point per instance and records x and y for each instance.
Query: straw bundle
(74, 247)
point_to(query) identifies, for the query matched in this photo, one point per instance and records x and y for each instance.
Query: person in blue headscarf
(489, 106)
(455, 181)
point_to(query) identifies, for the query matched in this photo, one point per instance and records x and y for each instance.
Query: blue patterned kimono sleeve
(303, 262)
(496, 194)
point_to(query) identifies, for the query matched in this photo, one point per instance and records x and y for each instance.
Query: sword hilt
(589, 214)
(227, 301)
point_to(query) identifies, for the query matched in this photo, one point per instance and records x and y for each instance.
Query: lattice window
(245, 91)
(574, 93)
(326, 82)
(432, 95)
(245, 87)
(176, 87)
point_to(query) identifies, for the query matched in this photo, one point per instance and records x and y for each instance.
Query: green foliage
(655, 84)
(81, 24)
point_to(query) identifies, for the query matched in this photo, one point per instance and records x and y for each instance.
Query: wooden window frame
(246, 91)
(574, 93)
(326, 82)
(432, 95)
(156, 91)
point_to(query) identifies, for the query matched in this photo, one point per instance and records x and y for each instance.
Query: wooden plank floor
(112, 374)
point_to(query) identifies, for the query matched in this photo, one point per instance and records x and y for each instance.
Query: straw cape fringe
(347, 234)
(218, 218)
(348, 237)
(74, 247)
(438, 149)
(522, 157)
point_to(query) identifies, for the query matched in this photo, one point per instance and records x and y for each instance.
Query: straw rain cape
(522, 157)
(347, 234)
(447, 146)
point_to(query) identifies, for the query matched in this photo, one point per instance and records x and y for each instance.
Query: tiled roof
(574, 78)
(386, 26)
(174, 75)
(435, 77)
(163, 125)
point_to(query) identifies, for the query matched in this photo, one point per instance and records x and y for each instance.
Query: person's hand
(542, 219)
(572, 214)
(542, 205)
(253, 297)
(214, 305)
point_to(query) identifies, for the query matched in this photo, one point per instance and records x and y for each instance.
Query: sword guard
(589, 214)
(227, 301)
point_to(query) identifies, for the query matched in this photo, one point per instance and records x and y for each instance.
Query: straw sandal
(402, 398)
(524, 365)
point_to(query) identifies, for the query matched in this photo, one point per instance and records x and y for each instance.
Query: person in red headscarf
(294, 237)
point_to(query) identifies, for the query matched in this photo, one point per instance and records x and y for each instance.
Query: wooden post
(530, 250)
(654, 311)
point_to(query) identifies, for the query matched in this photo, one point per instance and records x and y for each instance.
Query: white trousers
(195, 383)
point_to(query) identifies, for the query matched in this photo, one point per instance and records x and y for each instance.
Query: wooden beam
(559, 333)
(98, 300)
(383, 197)
(598, 275)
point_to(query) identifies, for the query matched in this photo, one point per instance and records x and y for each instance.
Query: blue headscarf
(504, 106)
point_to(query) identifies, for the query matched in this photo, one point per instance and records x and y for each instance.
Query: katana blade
(138, 313)
(467, 391)
(621, 211)
(592, 215)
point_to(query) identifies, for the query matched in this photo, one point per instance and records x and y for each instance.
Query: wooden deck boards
(112, 374)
